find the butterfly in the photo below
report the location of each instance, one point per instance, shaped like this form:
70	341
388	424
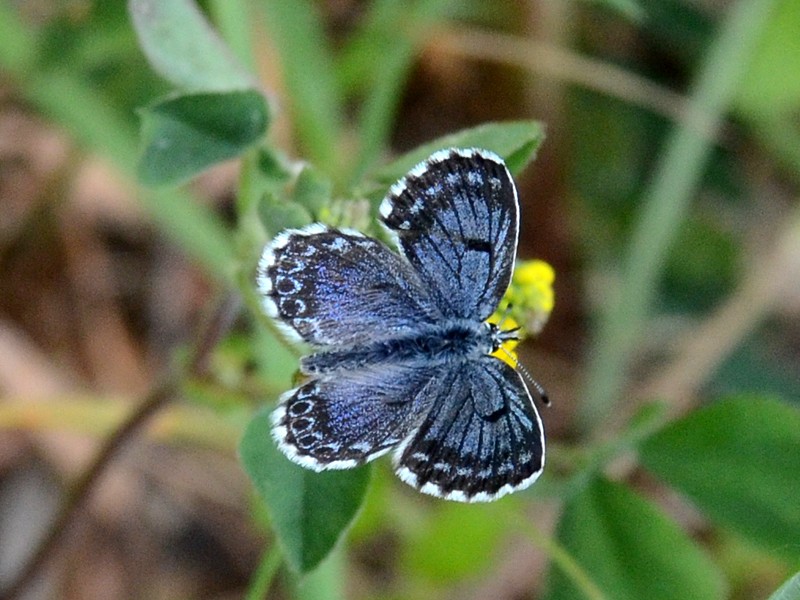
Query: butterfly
402	352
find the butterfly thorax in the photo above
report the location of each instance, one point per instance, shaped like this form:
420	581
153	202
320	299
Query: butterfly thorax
456	341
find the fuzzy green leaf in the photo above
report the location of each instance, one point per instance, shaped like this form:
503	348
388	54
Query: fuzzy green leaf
182	46
738	460
182	135
310	511
789	590
277	214
515	141
312	190
631	549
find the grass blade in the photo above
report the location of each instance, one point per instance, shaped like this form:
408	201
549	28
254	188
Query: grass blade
665	205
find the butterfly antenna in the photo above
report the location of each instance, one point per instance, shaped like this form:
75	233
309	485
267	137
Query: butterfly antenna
506	312
526	375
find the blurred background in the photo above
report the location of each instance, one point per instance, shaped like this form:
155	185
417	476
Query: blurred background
104	284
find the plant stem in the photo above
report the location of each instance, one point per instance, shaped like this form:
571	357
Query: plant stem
559	555
210	334
265	573
665	206
233	19
326	582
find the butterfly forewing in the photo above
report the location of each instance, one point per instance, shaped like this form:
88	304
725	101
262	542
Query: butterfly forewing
333	287
456	218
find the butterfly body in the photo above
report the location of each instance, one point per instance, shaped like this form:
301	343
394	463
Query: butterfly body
401	351
454	342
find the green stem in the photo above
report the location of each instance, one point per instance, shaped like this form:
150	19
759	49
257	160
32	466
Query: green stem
665	206
559	555
410	24
649	420
249	242
298	33
265	573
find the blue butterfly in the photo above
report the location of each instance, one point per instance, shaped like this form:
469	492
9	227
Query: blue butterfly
401	344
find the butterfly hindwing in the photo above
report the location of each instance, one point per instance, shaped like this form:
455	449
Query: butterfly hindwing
481	439
347	418
455	217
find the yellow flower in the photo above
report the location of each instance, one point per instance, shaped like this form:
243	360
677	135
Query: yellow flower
533	281
529	299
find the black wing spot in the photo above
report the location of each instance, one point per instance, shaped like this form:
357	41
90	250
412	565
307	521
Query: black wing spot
496	415
479	245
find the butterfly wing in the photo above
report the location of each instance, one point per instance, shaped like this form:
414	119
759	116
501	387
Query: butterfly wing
463	430
347	418
481	438
456	219
333	287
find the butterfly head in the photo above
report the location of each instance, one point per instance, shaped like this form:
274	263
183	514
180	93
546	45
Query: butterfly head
500	336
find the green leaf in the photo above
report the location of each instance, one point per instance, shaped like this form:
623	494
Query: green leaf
273	167
771	85
181	45
738	460
264	171
631	549
430	552
276	363
182	135
789	590
312	190
309	511
277	215
515	141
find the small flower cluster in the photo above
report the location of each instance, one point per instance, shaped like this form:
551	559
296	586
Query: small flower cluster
527	303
